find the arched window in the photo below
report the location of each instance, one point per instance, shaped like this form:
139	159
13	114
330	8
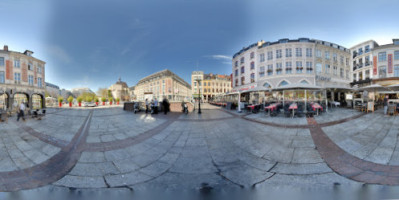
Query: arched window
282	83
267	85
304	82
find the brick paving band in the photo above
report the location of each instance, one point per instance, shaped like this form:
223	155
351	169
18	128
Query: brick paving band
348	165
51	170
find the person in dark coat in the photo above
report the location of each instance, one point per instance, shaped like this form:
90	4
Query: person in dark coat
165	105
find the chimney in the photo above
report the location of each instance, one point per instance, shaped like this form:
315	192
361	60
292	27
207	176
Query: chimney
5	48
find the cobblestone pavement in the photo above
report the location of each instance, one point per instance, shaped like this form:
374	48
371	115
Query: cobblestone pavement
112	148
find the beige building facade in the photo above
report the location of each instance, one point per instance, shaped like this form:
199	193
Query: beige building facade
163	84
209	85
22	79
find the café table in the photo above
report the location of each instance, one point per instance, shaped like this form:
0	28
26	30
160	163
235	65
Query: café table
293	107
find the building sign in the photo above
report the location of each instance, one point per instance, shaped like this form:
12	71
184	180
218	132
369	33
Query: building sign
390	70
323	78
245	88
375	65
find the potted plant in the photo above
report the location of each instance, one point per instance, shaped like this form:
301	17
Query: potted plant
110	100
70	100
80	101
103	99
96	100
117	101
60	99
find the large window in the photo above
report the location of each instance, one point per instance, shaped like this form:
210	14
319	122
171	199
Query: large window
252	65
298	52
341	59
382	71
288	52
360	51
335	70
396	55
318	53
335	58
40	84
341	72
252	77
318	68
367	61
17	77
242	60
242	69
309	52
288	67
299	67
278	53
236	72
270	70
243	80
347	74
252	55
366	48
327	69
269	55
395	72
1	61
309	67
367	74
2	80
382	56
17	64
39	69
327	54
354	77
262	71
30	80
262	57
279	68
236	63
360	76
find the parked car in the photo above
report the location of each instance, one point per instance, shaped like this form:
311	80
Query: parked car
89	104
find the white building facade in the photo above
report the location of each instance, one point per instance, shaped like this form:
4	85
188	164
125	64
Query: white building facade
303	61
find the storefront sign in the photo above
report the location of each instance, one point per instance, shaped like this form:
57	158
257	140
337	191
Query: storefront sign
323	78
375	65
390	70
245	88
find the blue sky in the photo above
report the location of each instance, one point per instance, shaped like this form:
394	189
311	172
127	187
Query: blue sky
92	43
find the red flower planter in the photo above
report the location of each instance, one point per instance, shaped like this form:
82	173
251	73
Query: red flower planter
96	103
70	104
110	103
60	104
117	103
103	103
80	104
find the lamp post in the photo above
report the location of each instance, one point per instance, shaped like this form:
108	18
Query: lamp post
199	100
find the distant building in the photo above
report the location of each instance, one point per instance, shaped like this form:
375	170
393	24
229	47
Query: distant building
210	85
120	90
21	79
78	91
163	84
53	90
66	93
132	94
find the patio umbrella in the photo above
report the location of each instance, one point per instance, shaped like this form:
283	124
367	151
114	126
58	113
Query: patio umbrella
373	87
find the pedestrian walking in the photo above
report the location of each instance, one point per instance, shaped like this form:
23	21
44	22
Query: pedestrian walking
21	111
156	106
386	104
146	105
165	105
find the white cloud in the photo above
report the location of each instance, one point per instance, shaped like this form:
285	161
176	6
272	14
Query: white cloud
221	57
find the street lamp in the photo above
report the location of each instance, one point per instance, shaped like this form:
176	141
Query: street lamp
199	100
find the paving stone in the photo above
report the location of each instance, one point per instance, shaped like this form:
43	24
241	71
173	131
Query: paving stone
301	169
126	165
89	157
306	155
94	169
127	179
81	182
155	169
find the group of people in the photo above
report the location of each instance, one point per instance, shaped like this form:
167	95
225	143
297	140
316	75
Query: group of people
153	105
